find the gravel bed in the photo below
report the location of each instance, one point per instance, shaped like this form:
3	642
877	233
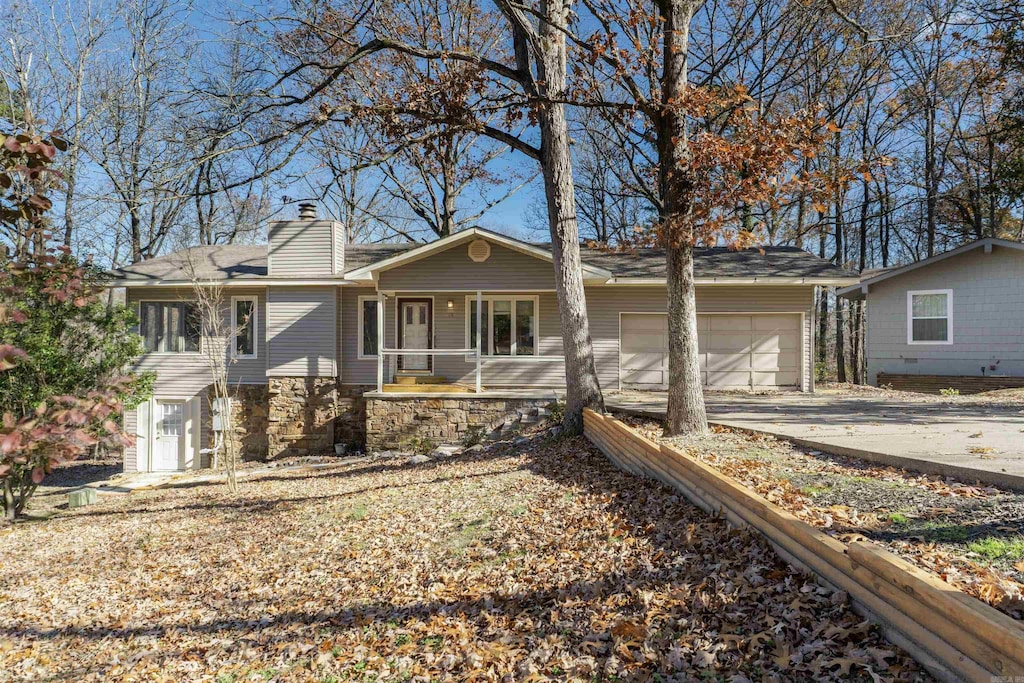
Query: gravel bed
971	535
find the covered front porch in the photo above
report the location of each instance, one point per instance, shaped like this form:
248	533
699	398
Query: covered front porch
430	345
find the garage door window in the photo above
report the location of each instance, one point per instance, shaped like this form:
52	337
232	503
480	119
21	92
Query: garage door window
930	317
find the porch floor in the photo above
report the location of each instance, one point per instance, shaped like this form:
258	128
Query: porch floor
450	391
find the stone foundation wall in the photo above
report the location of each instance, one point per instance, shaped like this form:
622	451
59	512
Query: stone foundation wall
302	416
392	423
350	427
249	412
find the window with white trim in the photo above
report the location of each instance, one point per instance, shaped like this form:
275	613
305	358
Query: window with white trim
169	326
367	327
930	316
509	325
244	324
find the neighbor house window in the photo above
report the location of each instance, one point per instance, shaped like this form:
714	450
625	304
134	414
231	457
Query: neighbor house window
169	326
367	327
509	325
244	323
930	317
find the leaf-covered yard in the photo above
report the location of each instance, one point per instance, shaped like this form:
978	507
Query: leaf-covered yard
529	563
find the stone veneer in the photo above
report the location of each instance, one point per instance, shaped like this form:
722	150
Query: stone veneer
350	427
302	414
250	409
392	422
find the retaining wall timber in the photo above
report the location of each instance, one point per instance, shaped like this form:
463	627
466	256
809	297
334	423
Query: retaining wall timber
955	636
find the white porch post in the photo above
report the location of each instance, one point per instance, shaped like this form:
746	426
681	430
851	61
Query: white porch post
380	341
479	335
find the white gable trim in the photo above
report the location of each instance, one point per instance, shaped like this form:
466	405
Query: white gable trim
988	242
369	273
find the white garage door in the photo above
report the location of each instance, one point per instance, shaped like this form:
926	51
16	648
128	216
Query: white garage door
759	351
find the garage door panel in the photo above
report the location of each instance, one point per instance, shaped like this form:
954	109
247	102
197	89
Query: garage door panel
728	380
645	343
644	361
775	361
774	343
729	341
773	323
649	378
728	362
703	323
787	378
730	323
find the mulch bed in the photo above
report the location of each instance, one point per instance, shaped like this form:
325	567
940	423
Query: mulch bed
970	535
529	561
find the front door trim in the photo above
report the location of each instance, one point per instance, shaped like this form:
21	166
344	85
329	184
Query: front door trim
400	325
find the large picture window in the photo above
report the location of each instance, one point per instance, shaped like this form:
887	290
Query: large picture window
930	317
509	325
169	326
244	322
367	327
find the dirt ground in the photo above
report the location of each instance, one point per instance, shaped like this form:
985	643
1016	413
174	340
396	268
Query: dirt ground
528	561
972	536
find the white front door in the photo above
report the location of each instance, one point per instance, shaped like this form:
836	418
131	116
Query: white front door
415	333
168	435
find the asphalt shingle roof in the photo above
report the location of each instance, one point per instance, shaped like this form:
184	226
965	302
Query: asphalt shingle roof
234	262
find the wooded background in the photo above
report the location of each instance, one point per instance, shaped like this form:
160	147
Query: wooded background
191	124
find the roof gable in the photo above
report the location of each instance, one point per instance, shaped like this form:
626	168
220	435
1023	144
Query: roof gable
372	271
987	243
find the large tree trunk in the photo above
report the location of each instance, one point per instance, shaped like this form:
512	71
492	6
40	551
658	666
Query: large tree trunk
686	409
581	384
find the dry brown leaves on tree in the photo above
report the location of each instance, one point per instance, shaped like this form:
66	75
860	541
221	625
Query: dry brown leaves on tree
542	563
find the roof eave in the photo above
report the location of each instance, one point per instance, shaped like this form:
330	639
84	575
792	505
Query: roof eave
233	282
729	280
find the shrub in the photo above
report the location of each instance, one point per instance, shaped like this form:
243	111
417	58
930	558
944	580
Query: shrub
420	445
949	391
556	411
474	435
64	353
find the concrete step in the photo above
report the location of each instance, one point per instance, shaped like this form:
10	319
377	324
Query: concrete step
420	379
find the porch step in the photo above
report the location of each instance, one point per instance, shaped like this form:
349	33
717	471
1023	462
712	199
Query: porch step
420	379
429	388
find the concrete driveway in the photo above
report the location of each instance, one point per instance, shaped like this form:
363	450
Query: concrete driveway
971	441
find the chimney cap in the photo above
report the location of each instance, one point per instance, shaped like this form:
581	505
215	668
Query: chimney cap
307	211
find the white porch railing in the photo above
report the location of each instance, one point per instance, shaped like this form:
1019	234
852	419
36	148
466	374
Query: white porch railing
382	352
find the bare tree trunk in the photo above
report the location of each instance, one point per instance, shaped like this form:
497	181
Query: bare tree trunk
686	410
581	383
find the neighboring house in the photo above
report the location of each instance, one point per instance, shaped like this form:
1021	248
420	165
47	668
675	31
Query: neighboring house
311	371
952	320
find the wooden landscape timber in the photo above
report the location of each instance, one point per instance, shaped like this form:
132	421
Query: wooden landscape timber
955	636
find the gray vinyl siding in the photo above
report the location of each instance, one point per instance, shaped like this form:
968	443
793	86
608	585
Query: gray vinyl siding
604	304
301	324
988	317
505	269
301	249
187	375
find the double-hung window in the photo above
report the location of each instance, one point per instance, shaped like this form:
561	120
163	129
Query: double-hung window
508	325
367	327
930	316
244	323
169	326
